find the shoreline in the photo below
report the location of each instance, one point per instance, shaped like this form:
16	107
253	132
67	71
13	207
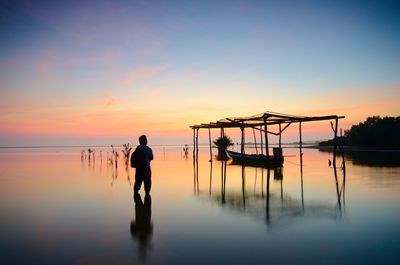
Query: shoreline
355	148
285	146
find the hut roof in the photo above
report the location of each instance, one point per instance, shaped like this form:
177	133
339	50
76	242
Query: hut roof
268	118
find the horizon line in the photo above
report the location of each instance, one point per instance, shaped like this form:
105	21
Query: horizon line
155	145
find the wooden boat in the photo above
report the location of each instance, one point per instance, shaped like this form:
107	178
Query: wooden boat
255	160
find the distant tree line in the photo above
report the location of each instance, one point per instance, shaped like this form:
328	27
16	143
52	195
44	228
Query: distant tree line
373	132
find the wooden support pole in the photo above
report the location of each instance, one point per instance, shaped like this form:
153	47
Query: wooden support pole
282	192
344	187
244	186
280	136
301	145
224	163
266	136
342	150
195	141
255	141
220	148
197	160
194	144
211	166
194	160
261	138
197	174
197	144
209	140
223	181
255	181
267	210
335	142
262	182
337	190
302	187
286	126
301	167
242	141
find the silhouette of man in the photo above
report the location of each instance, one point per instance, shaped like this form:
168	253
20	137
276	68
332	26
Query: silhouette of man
141	227
142	156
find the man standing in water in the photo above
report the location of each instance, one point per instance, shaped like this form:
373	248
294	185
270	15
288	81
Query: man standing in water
140	160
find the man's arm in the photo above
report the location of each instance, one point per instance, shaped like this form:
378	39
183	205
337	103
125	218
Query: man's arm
150	154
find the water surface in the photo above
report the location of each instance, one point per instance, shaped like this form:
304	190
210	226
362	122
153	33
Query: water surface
58	209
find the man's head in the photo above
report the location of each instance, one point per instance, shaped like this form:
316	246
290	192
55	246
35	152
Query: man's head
143	140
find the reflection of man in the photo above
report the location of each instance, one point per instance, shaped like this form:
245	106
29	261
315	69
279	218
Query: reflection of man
140	159
141	227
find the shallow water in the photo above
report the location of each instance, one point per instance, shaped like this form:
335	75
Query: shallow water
58	209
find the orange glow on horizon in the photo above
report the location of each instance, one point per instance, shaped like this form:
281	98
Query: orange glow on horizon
115	116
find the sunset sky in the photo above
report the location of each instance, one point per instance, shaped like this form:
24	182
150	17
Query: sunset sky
101	72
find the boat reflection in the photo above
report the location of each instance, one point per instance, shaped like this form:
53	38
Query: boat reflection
273	205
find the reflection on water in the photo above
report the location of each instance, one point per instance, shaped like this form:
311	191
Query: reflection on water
273	207
373	158
141	226
377	159
57	207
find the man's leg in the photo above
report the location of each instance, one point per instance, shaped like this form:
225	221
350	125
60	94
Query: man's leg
138	180
147	181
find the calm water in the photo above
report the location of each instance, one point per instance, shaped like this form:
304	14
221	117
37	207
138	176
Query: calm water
58	209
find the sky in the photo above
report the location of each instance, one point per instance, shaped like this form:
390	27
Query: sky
102	72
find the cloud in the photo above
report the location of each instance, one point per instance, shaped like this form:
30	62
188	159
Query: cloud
112	24
141	74
109	99
56	60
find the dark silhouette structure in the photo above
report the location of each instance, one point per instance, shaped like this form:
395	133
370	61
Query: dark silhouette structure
222	143
140	159
141	227
374	132
263	122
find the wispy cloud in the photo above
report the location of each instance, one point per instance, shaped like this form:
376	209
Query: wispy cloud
141	74
113	23
57	60
109	99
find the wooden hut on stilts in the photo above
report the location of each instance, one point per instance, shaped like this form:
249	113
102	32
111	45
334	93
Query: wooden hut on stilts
263	122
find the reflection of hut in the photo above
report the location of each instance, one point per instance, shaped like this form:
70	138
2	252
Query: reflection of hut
276	210
262	122
275	207
278	173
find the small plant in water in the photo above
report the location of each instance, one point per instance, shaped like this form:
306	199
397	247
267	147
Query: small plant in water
186	150
114	156
126	151
91	151
223	143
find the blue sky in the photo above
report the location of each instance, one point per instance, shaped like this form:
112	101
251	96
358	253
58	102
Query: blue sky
190	62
